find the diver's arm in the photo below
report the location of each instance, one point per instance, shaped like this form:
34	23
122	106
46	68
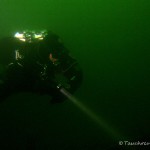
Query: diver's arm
70	78
75	77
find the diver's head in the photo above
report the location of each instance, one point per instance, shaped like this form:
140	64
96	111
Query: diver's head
52	48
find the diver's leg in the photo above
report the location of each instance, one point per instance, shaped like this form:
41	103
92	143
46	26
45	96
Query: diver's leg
5	92
10	82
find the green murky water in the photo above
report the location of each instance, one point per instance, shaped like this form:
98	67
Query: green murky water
110	39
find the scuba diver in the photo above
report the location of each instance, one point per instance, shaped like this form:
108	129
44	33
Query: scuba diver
37	62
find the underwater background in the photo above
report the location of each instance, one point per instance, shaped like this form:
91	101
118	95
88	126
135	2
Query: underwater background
111	41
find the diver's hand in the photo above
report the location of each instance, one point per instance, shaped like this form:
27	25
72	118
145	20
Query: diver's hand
62	80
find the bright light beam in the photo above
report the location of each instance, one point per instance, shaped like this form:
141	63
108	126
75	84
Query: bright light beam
92	115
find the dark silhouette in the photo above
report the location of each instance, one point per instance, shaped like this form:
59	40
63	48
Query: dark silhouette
37	62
